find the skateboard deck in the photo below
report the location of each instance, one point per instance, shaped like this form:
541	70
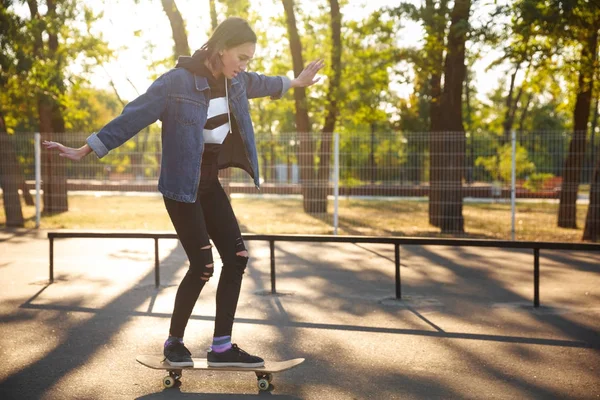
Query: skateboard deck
264	374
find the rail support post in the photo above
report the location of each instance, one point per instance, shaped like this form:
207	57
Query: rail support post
536	277
272	248
156	264
398	277
51	264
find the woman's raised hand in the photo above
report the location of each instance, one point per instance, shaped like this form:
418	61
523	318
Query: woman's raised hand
307	76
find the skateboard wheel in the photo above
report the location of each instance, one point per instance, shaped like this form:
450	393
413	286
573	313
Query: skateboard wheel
263	384
168	382
262	375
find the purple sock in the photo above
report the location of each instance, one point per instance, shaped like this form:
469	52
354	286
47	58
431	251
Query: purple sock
221	344
172	339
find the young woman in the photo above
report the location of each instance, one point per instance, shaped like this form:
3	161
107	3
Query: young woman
206	126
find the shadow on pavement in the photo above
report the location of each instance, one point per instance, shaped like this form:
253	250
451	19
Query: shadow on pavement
175	393
84	339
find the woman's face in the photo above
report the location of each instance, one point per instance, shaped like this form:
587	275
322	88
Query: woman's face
236	59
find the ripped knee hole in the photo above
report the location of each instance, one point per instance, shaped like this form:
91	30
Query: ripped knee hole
207	274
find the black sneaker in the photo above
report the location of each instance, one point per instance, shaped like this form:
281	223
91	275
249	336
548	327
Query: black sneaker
178	355
234	357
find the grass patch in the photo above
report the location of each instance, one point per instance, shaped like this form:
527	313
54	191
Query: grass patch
534	221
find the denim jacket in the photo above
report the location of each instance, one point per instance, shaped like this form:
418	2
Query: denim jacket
180	100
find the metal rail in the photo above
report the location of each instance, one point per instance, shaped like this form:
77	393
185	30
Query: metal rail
396	241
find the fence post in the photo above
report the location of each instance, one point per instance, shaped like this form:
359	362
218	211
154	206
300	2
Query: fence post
38	177
336	182
513	184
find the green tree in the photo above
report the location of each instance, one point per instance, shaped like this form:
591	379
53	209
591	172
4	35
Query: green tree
366	62
422	108
592	221
589	22
500	166
44	46
447	135
305	149
11	177
88	108
236	8
522	50
180	39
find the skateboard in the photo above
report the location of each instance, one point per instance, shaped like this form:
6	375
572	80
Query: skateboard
264	374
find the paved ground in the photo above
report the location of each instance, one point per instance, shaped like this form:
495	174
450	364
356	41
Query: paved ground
465	329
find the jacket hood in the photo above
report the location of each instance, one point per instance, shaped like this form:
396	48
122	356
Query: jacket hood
195	63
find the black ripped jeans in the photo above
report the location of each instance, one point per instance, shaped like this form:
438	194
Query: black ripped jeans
211	216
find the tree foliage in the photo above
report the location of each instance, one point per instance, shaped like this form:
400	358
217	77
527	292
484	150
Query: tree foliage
546	66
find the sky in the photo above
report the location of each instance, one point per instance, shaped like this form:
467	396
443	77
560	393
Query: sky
131	30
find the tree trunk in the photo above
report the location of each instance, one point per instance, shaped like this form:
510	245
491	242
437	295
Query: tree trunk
305	148
213	14
8	157
320	202
10	179
593	133
27	197
592	220
567	212
52	124
436	32
448	158
469	160
524	112
53	166
435	27
594	126
511	102
591	230
182	47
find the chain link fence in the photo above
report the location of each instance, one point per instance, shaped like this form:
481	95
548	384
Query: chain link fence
382	183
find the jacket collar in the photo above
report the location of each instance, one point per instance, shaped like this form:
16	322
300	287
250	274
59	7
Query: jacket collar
202	83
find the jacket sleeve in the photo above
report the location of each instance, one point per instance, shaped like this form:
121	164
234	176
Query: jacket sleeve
137	115
258	85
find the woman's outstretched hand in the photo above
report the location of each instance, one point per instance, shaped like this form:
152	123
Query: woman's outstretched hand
307	76
68	152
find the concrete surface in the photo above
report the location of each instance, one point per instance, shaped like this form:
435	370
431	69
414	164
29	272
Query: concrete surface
465	329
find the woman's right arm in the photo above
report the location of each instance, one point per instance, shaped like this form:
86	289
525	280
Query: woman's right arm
137	115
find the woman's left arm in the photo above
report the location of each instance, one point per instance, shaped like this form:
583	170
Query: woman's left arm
258	85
